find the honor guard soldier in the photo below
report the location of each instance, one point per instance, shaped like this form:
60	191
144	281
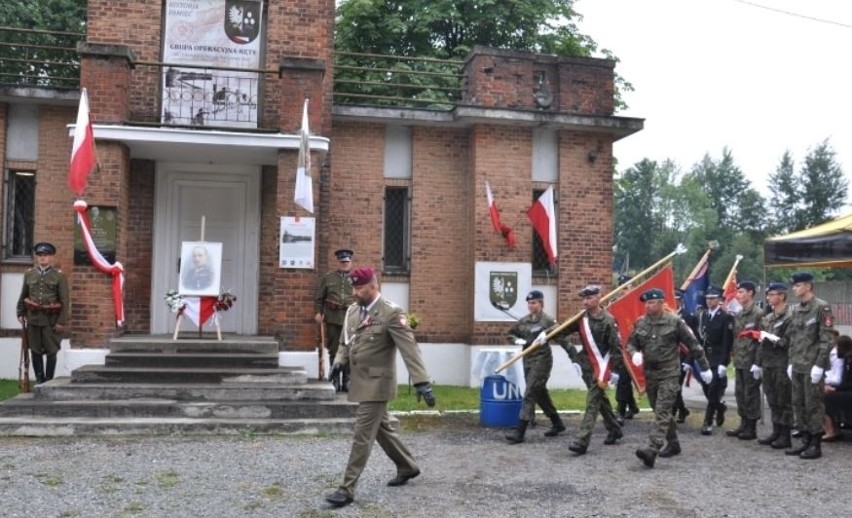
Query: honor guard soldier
774	357
680	409
43	309
809	335
334	295
747	328
716	336
654	343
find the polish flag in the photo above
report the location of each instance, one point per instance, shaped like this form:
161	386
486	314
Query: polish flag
730	295
304	195
83	157
543	217
504	230
199	309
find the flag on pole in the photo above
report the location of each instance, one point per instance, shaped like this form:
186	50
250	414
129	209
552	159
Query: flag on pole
729	293
504	230
304	195
543	217
693	295
100	262
83	157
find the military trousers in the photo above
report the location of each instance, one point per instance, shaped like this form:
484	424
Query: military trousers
747	391
597	402
536	376
779	392
808	403
662	394
373	425
42	340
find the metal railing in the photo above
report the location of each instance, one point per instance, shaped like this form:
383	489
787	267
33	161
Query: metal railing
32	57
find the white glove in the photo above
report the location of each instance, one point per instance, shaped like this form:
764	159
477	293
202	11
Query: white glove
769	336
722	371
613	379
578	370
816	374
756	371
687	368
637	359
790	372
707	376
520	341
541	339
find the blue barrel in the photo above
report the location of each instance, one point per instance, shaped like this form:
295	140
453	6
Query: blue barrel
500	402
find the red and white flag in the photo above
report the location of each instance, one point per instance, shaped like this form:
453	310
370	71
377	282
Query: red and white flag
543	217
504	230
83	157
304	195
729	293
199	309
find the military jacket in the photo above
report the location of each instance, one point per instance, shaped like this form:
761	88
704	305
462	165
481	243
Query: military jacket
528	329
746	352
45	288
604	331
776	354
369	347
333	296
659	339
809	337
716	335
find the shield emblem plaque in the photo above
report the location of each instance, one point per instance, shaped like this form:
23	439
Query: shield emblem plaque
242	20
503	288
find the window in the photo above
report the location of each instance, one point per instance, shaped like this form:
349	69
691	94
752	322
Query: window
396	231
539	256
20	214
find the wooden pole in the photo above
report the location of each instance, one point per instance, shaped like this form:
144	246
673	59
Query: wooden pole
710	246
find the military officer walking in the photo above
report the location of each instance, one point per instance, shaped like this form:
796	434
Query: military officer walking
537	366
747	327
374	330
43	308
774	358
716	336
654	343
809	335
334	294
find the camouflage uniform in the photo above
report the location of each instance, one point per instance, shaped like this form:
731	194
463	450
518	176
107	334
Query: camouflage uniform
774	358
658	340
745	353
334	295
537	365
809	342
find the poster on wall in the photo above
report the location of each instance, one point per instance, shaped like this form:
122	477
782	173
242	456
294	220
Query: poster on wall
103	229
504	286
296	248
200	268
207	34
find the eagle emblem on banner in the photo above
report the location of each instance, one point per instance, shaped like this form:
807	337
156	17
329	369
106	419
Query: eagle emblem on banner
503	289
242	20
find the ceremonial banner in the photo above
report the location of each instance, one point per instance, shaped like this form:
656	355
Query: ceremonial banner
304	195
83	156
543	217
504	230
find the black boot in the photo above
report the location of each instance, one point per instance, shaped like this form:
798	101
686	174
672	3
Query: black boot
738	430
814	450
557	426
51	367
806	440
707	429
619	415
720	414
671	449
749	432
38	367
683	413
517	435
783	440
769	439
648	456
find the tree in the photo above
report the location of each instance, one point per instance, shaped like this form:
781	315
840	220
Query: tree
786	200
823	187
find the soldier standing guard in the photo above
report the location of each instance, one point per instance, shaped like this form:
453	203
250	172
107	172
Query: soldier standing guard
655	343
43	308
333	296
774	358
537	366
809	334
747	327
716	336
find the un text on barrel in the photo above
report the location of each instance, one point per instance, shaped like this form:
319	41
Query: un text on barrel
500	402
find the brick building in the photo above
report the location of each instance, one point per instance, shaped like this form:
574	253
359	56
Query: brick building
403	187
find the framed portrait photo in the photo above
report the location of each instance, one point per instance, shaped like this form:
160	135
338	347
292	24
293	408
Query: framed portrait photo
200	268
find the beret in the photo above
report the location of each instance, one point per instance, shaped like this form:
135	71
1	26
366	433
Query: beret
678	294
747	285
801	277
361	276
652	294
776	286
535	295
591	289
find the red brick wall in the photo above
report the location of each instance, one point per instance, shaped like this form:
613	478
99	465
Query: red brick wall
138	261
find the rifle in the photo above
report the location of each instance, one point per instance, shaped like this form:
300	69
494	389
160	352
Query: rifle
321	352
24	365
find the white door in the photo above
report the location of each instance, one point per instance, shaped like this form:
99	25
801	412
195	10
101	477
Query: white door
227	199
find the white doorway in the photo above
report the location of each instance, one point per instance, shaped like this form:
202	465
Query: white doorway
228	198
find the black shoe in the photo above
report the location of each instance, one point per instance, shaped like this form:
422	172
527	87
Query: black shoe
796	434
338	499
401	480
720	414
517	435
557	426
814	450
806	441
631	412
612	437
648	456
707	429
577	448
619	418
736	431
671	449
682	415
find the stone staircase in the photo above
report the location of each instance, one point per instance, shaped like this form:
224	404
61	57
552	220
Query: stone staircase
154	385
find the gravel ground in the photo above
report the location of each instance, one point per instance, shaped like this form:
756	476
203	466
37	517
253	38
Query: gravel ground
467	471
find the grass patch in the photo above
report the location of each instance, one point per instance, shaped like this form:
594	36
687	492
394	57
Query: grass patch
9	389
167	479
49	480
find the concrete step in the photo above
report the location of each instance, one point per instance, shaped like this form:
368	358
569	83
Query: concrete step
50	426
63	389
26	405
192	360
105	374
165	344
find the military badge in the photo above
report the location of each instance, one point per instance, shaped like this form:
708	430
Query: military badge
503	289
242	20
827	319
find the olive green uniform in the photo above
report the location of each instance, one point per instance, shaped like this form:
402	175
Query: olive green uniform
658	339
745	353
773	357
537	365
334	294
42	291
810	343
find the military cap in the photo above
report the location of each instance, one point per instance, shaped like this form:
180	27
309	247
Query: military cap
535	295
713	291
44	249
622	279
591	289
776	286
678	294
361	276
801	277
652	294
344	254
747	285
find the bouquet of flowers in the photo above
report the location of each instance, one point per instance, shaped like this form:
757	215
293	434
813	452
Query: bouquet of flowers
225	300
174	301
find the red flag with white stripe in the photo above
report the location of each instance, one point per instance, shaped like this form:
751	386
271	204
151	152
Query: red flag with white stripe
304	195
83	157
199	309
504	230
543	217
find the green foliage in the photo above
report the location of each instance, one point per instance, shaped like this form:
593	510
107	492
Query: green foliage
450	398
9	389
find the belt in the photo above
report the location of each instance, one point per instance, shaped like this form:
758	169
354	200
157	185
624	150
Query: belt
53	307
333	305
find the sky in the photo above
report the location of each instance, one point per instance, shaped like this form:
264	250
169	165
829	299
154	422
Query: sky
710	74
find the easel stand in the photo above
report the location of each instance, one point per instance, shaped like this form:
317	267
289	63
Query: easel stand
200	321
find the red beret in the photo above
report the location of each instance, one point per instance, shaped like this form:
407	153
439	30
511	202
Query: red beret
361	276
